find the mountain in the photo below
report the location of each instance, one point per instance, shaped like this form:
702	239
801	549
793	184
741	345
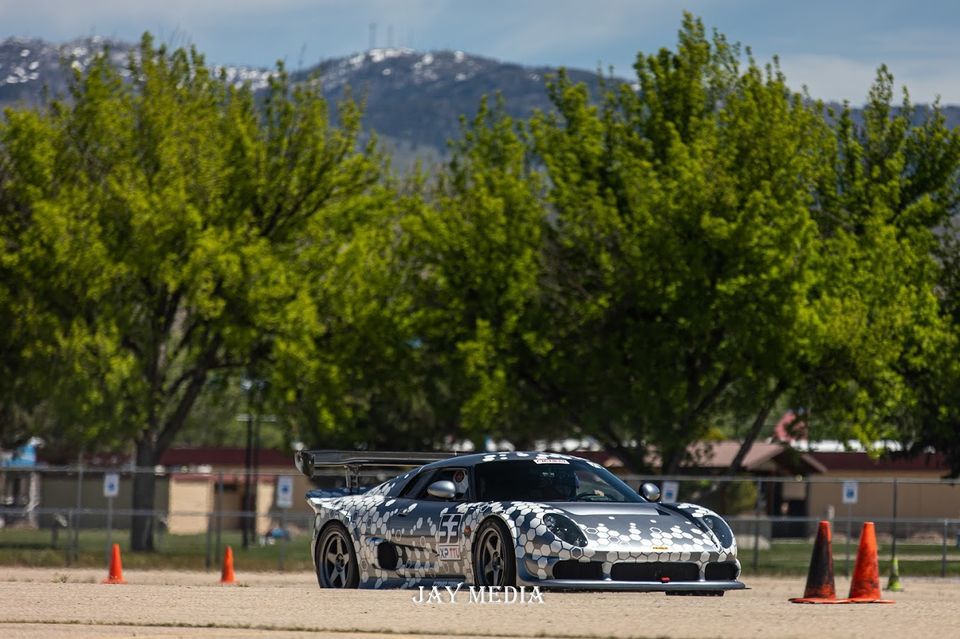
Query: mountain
413	99
418	97
28	66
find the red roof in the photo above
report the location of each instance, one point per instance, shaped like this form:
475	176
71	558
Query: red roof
790	429
177	457
860	461
61	457
762	457
225	457
602	457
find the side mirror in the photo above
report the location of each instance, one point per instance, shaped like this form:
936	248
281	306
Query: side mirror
443	489
650	492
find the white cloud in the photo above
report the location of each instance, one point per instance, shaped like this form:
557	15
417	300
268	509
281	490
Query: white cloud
838	78
609	32
79	14
230	31
578	25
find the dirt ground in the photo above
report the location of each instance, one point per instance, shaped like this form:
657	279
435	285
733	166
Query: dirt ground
72	604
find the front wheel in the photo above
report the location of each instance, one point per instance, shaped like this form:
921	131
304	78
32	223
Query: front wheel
336	559
494	559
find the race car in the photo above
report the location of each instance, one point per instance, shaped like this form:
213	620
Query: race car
512	519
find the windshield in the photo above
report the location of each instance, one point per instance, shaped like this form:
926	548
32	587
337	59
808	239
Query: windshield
553	480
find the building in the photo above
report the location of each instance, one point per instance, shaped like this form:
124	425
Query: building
207	480
189	485
916	483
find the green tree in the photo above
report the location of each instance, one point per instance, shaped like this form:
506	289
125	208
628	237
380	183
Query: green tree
930	415
170	233
683	241
888	187
718	246
357	382
934	382
474	252
24	149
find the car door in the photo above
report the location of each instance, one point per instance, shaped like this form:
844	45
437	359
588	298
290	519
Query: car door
427	531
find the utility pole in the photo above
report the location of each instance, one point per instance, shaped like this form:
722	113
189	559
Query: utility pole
255	389
247	468
250	458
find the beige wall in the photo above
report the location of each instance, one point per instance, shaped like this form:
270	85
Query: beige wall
175	494
265	501
232	503
59	491
300	487
189	495
914	501
199	494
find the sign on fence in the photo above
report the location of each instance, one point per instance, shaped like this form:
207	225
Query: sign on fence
284	491
670	492
850	492
111	485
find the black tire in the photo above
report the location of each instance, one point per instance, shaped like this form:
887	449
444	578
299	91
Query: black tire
336	558
494	557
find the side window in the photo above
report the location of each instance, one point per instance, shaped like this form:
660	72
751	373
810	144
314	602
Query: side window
416	485
459	477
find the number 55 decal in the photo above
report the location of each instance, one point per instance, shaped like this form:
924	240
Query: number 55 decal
448	537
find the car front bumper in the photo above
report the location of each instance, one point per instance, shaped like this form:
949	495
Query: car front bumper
637	586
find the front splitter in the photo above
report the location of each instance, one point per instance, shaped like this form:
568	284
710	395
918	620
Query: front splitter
637	586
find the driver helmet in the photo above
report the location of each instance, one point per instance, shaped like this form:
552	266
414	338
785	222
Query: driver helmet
460	482
566	482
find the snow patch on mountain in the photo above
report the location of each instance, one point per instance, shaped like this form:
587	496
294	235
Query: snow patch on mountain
24	60
412	98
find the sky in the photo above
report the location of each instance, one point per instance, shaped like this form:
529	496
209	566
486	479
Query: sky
833	48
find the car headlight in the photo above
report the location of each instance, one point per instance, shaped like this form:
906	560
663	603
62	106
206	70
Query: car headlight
719	528
565	529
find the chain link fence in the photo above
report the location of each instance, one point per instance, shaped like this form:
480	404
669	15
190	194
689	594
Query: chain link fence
71	515
917	519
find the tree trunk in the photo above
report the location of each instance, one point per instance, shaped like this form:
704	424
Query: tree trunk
144	484
757	426
633	459
152	443
670	461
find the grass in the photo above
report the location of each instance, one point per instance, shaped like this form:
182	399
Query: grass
23	547
793	558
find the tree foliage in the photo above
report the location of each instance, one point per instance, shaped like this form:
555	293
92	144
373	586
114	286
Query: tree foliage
169	226
888	189
476	259
707	243
684	241
703	245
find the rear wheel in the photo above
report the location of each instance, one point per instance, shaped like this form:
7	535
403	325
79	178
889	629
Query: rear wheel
336	559
494	558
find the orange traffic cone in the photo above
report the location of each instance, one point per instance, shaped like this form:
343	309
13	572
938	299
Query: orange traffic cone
820	588
116	568
865	587
226	575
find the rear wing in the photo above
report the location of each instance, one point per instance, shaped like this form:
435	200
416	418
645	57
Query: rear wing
310	461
